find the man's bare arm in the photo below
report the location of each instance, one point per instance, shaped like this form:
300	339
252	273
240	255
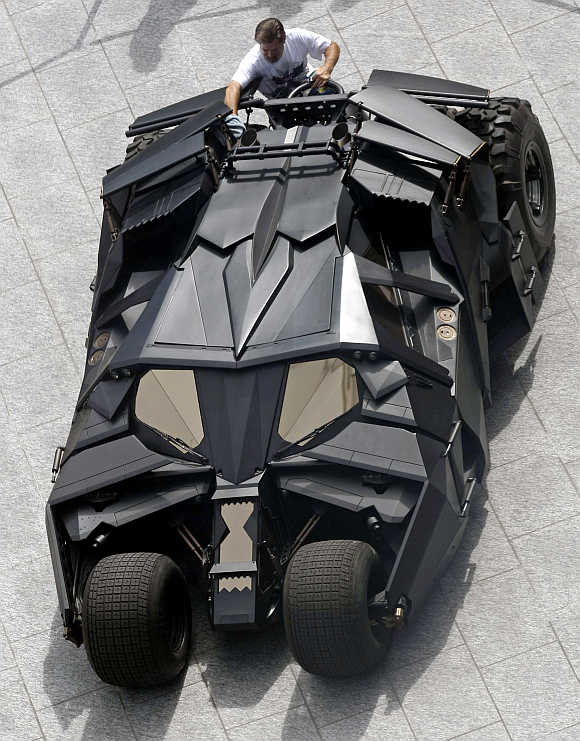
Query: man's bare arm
324	72
232	97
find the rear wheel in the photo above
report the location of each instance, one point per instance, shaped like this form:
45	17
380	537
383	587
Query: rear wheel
141	142
520	159
326	593
137	619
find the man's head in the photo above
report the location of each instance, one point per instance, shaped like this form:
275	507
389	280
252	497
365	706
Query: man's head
271	36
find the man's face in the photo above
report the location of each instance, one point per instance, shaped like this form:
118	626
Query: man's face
272	50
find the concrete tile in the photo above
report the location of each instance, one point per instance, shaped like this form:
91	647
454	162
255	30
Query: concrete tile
403	47
152	50
565	734
38	444
513	427
7	660
22	526
547	363
531	493
565	106
444	697
499	617
345	13
5	212
172	717
16	6
53	669
82	90
136	700
494	732
28	598
551	560
567	172
441	20
431	631
519	14
17	719
248	676
566	267
528	90
484	550
99	716
17	267
162	91
12	50
333	700
111	16
384	722
295	724
482	56
98	145
535	693
56	219
66	277
326	26
30	170
573	468
562	37
21	99
566	625
69	32
353	81
39	388
572	294
28	323
75	333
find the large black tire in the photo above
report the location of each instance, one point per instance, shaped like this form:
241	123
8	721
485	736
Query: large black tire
520	158
326	592
137	619
141	142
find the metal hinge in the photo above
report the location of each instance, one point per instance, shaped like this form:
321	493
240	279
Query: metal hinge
56	463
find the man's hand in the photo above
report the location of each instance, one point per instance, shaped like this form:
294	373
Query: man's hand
235	125
320	76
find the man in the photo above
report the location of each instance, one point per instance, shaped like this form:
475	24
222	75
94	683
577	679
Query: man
280	60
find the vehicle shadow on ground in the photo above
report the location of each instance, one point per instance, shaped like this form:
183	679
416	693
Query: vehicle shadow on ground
77	696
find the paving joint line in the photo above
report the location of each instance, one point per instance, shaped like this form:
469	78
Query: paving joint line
481	728
478	670
521	653
545	527
367	18
306	705
425	37
540	23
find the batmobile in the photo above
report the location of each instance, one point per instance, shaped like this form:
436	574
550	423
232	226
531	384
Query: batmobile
288	365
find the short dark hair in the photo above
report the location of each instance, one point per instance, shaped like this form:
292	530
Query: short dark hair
268	30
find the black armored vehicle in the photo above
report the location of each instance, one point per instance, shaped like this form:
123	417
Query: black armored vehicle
288	365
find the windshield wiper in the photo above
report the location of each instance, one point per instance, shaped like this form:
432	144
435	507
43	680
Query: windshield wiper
303	439
182	445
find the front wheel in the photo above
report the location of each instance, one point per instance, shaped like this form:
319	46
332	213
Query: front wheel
326	594
137	619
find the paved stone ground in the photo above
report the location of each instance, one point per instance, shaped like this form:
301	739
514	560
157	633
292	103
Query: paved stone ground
496	652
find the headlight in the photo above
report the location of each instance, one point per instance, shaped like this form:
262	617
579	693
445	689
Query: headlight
317	392
167	401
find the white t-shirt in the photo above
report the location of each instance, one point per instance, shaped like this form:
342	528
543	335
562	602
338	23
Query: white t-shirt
280	77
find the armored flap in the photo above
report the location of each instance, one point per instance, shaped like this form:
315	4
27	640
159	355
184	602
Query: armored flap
392	176
175	111
384	135
424	85
104	465
183	142
407	112
163	200
376	448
